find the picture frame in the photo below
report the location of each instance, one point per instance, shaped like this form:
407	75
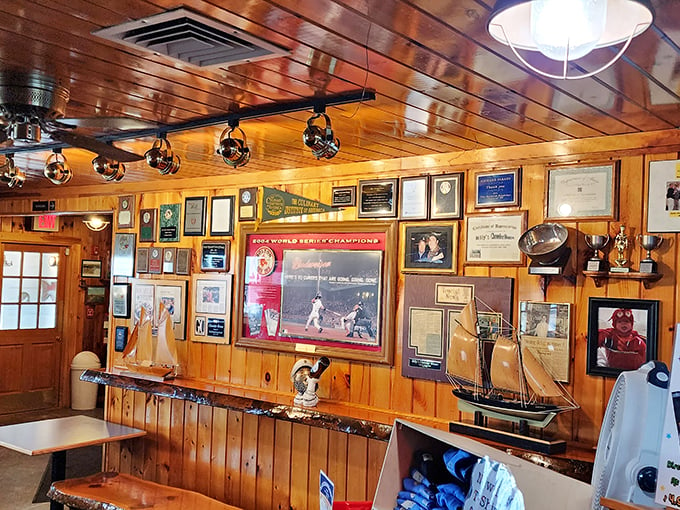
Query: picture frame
608	333
149	293
492	238
148	219
121	299
123	263
183	261
500	188
194	216
121	338
545	330
661	179
126	211
142	260
344	196
414	197
212	308
169	219
378	198
582	192
95	295
247	204
430	247
278	270
90	268
215	255
222	215
446	196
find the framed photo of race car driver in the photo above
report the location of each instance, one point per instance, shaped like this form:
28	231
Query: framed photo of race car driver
622	334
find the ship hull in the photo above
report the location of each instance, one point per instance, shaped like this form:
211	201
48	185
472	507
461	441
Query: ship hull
515	408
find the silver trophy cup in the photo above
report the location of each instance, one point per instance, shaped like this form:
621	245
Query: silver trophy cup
649	242
596	243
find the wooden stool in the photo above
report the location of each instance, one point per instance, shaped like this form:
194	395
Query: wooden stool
110	491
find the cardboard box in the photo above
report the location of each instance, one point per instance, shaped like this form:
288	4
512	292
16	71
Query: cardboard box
540	487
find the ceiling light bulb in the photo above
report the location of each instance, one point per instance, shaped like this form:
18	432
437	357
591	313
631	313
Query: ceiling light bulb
567	30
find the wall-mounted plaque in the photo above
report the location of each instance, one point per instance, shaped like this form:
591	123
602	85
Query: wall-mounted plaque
124	255
142	260
169	257
378	198
247	204
155	260
183	261
344	196
169	223
215	255
147	225
126	211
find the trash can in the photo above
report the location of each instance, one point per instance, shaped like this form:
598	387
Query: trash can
83	394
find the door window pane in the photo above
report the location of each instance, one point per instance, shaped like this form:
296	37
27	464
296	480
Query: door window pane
29	290
48	291
29	317
48	316
31	264
9	316
10	290
12	265
50	265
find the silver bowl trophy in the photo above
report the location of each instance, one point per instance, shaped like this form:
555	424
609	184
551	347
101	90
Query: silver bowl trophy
596	243
621	244
546	245
649	242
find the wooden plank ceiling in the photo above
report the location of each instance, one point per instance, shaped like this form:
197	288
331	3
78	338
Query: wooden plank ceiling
441	83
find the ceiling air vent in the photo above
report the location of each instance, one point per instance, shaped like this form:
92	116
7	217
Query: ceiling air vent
192	38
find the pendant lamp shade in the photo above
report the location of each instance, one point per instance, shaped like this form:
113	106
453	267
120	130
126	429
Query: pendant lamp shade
568	30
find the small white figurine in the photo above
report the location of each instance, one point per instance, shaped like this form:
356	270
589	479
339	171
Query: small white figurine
305	378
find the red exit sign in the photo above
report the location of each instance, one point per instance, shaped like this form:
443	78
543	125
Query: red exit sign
45	223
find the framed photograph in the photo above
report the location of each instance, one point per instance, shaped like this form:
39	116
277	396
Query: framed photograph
545	331
172	293
148	219
95	295
663	196
194	216
90	268
247	204
169	258
498	189
121	299
344	196
212	307
414	197
183	261
325	288
142	260
126	211
579	192
215	255
622	334
430	247
492	238
378	198
222	216
143	292
123	255
446	200
169	223
121	338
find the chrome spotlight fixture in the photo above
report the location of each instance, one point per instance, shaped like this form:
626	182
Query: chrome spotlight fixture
110	170
320	139
10	174
234	151
161	157
57	169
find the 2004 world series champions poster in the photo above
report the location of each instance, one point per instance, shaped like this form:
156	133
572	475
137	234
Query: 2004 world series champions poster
315	291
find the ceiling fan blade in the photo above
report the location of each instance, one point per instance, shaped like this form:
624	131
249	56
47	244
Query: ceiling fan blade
106	123
96	146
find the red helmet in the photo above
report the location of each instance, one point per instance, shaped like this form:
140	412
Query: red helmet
622	314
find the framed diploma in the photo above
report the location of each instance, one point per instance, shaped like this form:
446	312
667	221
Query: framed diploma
413	197
344	196
126	211
194	216
378	198
147	225
169	223
222	216
247	204
582	192
498	189
446	200
492	238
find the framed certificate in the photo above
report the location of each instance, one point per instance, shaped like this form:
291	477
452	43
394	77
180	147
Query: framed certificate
222	216
446	200
492	238
413	197
147	225
194	216
378	198
126	211
582	192
498	189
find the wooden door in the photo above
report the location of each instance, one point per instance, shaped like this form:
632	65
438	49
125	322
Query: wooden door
31	308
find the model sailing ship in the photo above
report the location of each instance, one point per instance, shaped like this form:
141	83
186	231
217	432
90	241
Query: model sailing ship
149	357
515	386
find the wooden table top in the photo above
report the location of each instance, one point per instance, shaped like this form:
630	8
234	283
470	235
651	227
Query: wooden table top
58	434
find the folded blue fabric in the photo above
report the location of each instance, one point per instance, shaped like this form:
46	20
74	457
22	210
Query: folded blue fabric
411	485
452	489
459	463
449	501
407	504
420	478
412	496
